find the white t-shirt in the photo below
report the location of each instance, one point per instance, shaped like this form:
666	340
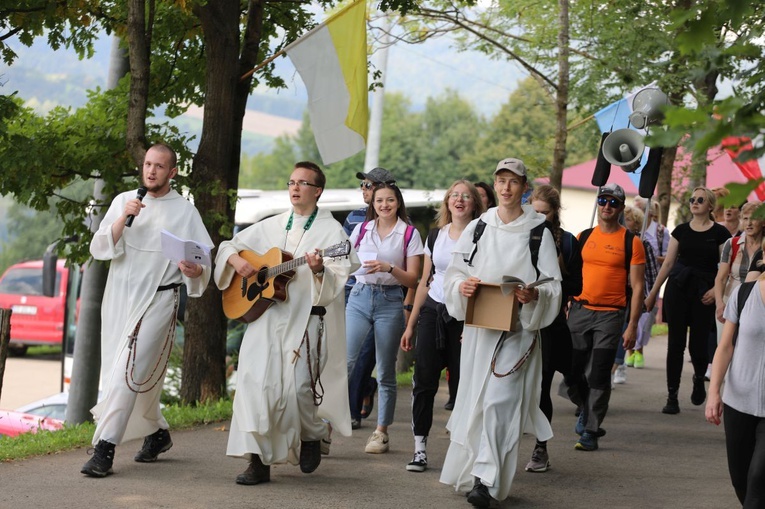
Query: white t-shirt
443	247
745	383
390	250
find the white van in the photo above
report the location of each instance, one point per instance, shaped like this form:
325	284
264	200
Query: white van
254	205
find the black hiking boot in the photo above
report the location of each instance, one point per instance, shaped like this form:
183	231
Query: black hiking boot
479	495
154	445
256	473
699	393
310	455
672	406
100	464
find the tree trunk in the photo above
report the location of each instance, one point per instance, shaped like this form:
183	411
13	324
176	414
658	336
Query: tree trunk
664	185
216	171
139	42
86	364
561	98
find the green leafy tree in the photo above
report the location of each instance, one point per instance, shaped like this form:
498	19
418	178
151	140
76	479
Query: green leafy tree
181	52
720	39
524	127
21	220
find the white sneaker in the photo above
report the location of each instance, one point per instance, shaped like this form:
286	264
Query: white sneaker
620	376
377	443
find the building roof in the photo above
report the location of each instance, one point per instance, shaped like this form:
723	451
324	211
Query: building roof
721	170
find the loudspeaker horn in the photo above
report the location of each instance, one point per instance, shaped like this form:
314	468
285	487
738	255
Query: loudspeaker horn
624	148
646	107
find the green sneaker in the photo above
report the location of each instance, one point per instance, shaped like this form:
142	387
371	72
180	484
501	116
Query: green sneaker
630	360
639	360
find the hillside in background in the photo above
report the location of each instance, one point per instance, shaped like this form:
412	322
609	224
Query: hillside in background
44	79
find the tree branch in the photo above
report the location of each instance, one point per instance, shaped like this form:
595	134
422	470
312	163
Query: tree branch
482	31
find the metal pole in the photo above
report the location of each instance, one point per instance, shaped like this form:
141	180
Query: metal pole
372	157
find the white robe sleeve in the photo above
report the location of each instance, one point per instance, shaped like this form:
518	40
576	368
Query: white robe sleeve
102	246
541	313
457	272
243	240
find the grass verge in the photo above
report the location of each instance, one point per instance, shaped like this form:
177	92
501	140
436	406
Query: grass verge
73	437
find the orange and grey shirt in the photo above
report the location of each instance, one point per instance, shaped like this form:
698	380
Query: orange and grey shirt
604	274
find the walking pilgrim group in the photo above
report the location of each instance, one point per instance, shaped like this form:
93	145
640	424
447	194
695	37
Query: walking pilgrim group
296	358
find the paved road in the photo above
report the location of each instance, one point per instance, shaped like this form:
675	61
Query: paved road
647	460
28	379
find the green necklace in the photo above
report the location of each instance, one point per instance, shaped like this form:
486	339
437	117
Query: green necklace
307	224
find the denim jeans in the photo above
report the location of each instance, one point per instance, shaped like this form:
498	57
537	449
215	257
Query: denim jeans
381	308
361	383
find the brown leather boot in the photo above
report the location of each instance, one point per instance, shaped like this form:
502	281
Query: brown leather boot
256	473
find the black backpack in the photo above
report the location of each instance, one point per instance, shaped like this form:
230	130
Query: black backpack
535	241
743	293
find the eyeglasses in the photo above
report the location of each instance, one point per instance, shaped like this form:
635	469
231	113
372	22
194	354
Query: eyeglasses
698	200
464	196
615	203
366	185
301	183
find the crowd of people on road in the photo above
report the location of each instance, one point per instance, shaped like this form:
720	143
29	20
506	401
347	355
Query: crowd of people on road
581	305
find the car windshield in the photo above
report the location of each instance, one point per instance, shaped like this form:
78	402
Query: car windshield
24	282
55	411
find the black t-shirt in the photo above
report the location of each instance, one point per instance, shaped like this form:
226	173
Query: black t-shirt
700	250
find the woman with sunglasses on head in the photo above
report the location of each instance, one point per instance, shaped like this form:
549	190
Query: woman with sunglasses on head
690	269
438	334
390	250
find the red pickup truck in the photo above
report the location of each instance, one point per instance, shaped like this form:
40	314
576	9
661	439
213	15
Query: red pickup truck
36	319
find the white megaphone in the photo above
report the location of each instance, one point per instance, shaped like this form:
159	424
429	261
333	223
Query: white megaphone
646	107
624	148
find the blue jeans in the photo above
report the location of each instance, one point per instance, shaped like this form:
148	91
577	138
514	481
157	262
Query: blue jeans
379	308
361	383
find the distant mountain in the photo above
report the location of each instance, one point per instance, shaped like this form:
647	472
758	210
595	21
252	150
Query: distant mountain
45	78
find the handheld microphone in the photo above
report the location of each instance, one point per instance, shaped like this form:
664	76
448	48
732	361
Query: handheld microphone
140	194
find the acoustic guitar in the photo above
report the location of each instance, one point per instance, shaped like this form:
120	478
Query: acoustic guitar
251	298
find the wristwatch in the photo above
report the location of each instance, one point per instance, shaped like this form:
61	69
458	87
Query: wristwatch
391	268
319	274
407	307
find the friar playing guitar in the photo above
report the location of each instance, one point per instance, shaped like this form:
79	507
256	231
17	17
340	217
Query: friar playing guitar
251	298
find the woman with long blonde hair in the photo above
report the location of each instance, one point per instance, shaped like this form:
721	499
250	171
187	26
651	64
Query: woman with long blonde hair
690	269
438	334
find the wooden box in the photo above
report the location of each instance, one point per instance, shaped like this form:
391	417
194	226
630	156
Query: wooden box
489	309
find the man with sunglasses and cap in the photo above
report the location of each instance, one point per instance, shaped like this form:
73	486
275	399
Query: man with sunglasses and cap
597	316
361	385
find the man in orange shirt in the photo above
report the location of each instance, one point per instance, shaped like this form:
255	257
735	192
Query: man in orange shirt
597	316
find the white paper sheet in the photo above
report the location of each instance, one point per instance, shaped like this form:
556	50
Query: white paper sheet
177	249
364	256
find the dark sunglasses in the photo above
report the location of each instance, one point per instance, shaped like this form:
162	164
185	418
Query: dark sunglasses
614	202
366	185
698	200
